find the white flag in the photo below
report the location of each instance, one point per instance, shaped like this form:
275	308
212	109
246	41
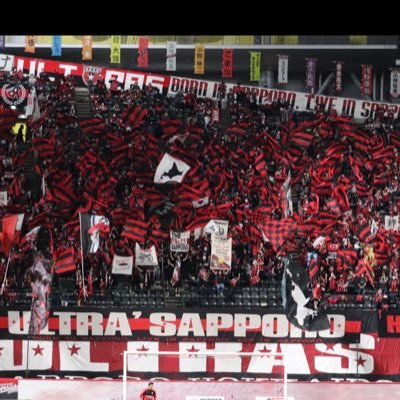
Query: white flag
392	222
170	169
145	257
32	107
283	64
3	198
122	265
217	228
171	56
200	202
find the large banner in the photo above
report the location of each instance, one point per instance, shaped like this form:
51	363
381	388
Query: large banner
89	342
170	85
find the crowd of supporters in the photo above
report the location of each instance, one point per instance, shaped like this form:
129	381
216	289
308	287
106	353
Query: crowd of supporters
341	220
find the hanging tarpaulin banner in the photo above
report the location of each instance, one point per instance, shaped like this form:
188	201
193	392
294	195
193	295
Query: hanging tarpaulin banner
338	76
283	65
56	46
366	80
395	83
30	44
143	50
199	59
87	45
221	254
171	56
2	41
311	69
227	61
255	65
115	49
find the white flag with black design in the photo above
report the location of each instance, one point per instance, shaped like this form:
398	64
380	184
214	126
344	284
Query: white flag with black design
170	169
145	257
122	265
91	225
200	202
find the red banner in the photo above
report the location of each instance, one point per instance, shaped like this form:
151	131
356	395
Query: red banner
366	80
143	59
227	63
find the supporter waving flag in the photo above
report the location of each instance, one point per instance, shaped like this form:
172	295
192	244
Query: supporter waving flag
91	226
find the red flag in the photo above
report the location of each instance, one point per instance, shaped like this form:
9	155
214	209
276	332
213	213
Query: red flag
9	224
143	59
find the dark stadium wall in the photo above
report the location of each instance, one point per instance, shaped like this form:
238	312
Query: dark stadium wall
382	61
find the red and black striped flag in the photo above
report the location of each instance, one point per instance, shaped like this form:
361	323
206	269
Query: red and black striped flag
135	230
64	260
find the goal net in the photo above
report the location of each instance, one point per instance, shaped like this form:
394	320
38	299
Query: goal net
205	375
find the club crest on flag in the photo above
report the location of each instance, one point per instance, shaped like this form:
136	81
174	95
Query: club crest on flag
91	73
13	93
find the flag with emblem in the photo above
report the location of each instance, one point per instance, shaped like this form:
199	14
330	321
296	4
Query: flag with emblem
170	169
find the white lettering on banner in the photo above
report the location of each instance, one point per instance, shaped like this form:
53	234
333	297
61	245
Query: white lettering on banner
117	322
68	68
217	321
92	320
131	78
357	361
302	101
166	324
162	324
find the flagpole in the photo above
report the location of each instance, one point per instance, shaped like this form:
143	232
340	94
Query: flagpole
83	268
162	270
5	274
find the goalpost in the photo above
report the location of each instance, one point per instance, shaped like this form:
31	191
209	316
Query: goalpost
205	375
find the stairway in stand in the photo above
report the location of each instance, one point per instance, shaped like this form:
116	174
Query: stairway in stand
83	105
225	119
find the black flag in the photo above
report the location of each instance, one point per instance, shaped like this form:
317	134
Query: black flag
297	299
